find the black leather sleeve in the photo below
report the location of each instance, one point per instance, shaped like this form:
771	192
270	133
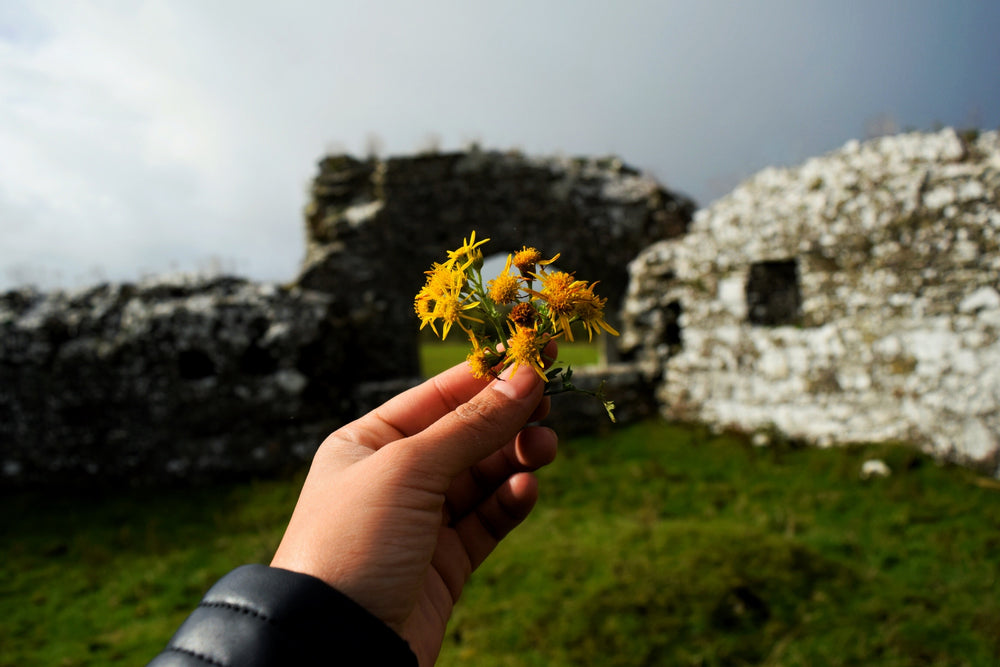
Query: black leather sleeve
258	615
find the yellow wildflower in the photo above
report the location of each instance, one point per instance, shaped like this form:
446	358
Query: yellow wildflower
482	361
590	311
526	258
523	314
524	347
505	287
424	305
451	309
517	321
442	278
441	298
468	254
560	292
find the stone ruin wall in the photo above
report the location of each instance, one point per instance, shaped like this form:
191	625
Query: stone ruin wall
374	227
172	378
853	298
194	378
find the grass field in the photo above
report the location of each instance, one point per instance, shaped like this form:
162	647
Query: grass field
658	544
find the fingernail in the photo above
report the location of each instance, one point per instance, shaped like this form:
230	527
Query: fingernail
517	385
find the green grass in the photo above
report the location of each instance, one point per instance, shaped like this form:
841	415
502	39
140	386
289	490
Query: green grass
107	580
436	356
655	545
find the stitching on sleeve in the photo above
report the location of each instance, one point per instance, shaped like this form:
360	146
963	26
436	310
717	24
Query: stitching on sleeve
197	656
242	610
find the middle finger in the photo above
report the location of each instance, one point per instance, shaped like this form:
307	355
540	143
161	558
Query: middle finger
534	447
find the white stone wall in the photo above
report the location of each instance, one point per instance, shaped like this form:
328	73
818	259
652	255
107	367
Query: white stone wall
898	334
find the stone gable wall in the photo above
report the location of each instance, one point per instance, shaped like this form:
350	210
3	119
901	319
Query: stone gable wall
373	227
853	298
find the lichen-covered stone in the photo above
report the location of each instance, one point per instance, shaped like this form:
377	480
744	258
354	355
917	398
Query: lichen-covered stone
852	298
173	377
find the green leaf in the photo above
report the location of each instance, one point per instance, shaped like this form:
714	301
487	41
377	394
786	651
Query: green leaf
609	407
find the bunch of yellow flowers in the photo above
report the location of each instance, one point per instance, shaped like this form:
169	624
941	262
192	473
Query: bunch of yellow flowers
510	319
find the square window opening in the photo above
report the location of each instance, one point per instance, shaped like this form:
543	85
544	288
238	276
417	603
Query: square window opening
773	297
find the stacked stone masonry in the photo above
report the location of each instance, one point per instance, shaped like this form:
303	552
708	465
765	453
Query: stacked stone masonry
184	378
852	298
175	378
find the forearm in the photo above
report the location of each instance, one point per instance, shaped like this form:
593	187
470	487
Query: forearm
257	616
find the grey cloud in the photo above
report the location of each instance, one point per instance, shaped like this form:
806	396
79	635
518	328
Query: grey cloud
700	94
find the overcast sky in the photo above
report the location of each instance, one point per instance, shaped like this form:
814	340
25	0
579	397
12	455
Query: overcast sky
138	137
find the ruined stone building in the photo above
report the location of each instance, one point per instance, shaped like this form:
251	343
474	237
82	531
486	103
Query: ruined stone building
181	377
852	298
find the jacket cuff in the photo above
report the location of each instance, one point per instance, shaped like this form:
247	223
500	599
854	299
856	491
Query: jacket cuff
258	615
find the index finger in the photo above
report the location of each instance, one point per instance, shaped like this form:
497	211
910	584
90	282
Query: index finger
415	409
475	429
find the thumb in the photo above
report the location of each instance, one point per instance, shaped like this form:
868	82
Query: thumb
477	428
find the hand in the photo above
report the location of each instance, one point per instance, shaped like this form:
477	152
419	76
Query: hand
402	505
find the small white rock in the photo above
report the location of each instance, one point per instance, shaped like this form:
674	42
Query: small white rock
874	468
